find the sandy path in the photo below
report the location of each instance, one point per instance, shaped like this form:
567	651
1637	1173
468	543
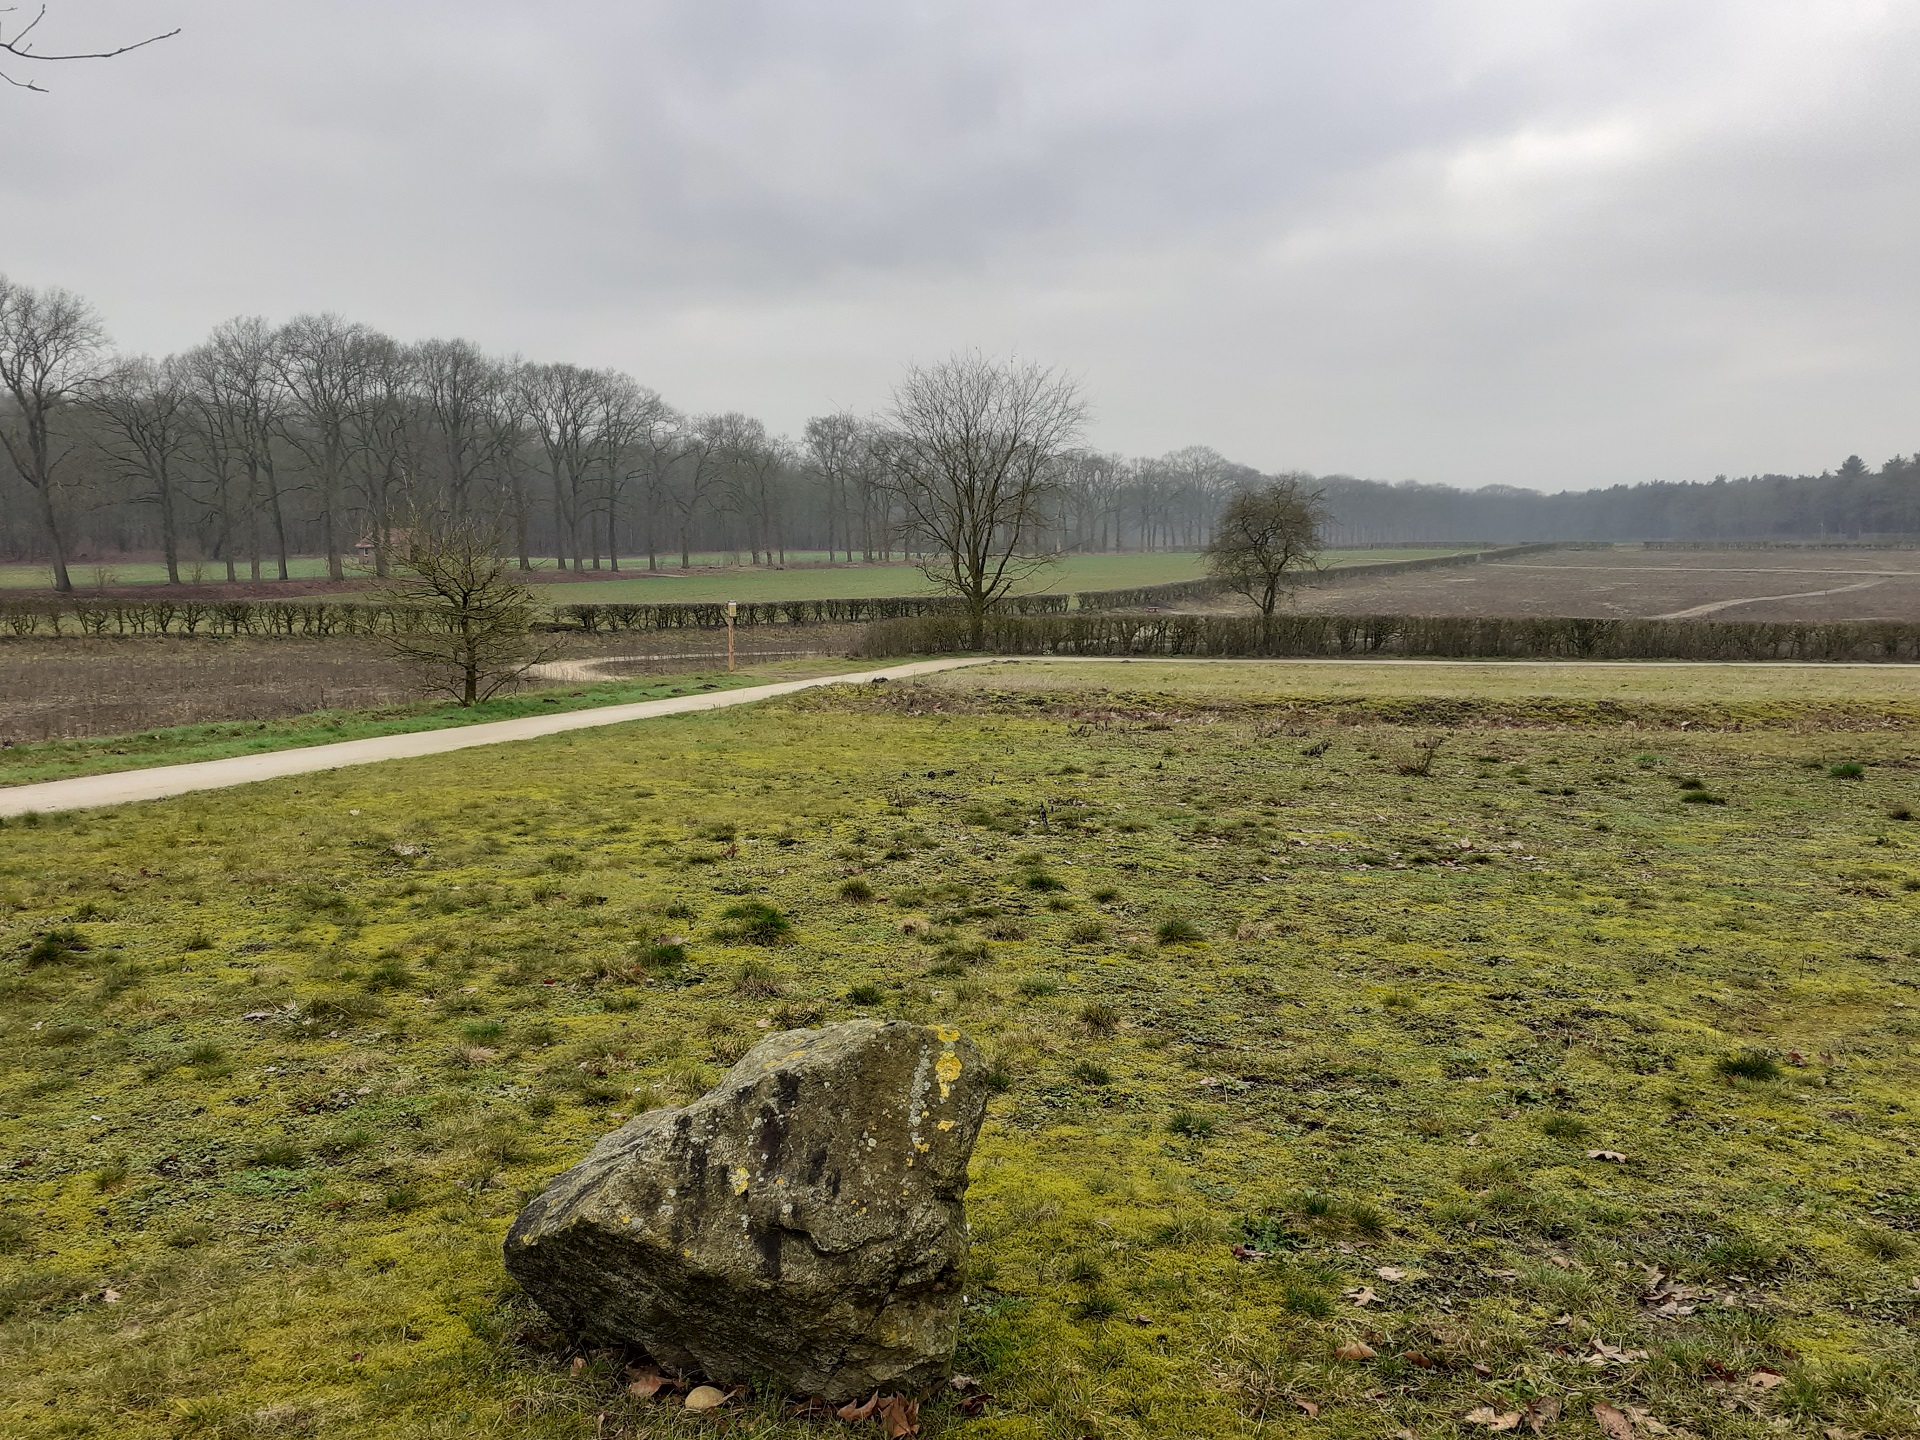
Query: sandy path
569	672
84	792
1713	606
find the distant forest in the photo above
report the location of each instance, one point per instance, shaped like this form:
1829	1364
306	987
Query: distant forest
1854	502
322	435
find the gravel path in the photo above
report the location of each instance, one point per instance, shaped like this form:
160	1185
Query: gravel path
85	792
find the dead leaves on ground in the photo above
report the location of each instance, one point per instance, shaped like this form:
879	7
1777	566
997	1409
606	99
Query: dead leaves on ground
1536	1417
898	1414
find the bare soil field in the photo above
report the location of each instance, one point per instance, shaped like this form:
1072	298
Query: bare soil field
68	688
1631	582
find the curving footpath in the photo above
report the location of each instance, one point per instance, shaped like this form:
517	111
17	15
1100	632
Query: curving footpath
86	792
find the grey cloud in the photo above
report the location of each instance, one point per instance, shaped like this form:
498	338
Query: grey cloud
1559	243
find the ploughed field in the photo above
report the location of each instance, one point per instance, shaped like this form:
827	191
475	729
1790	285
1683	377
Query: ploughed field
1632	582
1569	1063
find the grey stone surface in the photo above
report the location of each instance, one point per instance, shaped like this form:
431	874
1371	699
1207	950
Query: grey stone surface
803	1222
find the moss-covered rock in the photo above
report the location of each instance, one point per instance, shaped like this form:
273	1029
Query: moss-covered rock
803	1222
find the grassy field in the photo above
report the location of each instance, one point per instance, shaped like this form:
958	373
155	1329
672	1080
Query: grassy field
216	740
1576	1070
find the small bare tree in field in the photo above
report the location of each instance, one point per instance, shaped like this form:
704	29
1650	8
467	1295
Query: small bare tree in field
1266	540
973	451
467	625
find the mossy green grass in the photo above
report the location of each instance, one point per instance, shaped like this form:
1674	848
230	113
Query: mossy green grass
1524	1077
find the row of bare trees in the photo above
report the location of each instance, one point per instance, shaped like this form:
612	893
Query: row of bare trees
321	436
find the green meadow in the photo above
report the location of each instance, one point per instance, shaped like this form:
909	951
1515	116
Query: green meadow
1377	1050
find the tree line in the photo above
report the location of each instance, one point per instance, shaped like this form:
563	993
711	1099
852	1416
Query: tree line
322	436
1851	502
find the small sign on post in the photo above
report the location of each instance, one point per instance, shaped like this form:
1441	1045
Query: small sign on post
732	610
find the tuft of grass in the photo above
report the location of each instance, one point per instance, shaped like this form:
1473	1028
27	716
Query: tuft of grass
1564	1127
54	947
1090	1072
866	993
1038	987
755	922
856	890
1177	931
1754	1065
1847	770
1192	1124
276	1155
1099	1017
756	978
1086	932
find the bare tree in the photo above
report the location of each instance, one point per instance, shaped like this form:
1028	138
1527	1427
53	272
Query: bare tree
321	360
244	400
21	47
468	625
52	349
973	448
461	388
148	416
558	401
1266	539
835	447
627	434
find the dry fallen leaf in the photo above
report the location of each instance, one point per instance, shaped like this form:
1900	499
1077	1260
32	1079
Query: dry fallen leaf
900	1415
1414	1357
1643	1422
1313	1410
1486	1415
1541	1413
853	1412
111	1297
1355	1350
1764	1379
645	1384
965	1384
1391	1272
1614	1156
579	1364
1615	1425
703	1398
1604	1354
1363	1296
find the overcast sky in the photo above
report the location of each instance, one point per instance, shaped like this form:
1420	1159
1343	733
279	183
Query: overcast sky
1472	241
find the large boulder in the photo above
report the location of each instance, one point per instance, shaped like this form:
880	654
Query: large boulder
803	1222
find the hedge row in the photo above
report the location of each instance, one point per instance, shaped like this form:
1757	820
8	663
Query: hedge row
1434	636
713	615
198	617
